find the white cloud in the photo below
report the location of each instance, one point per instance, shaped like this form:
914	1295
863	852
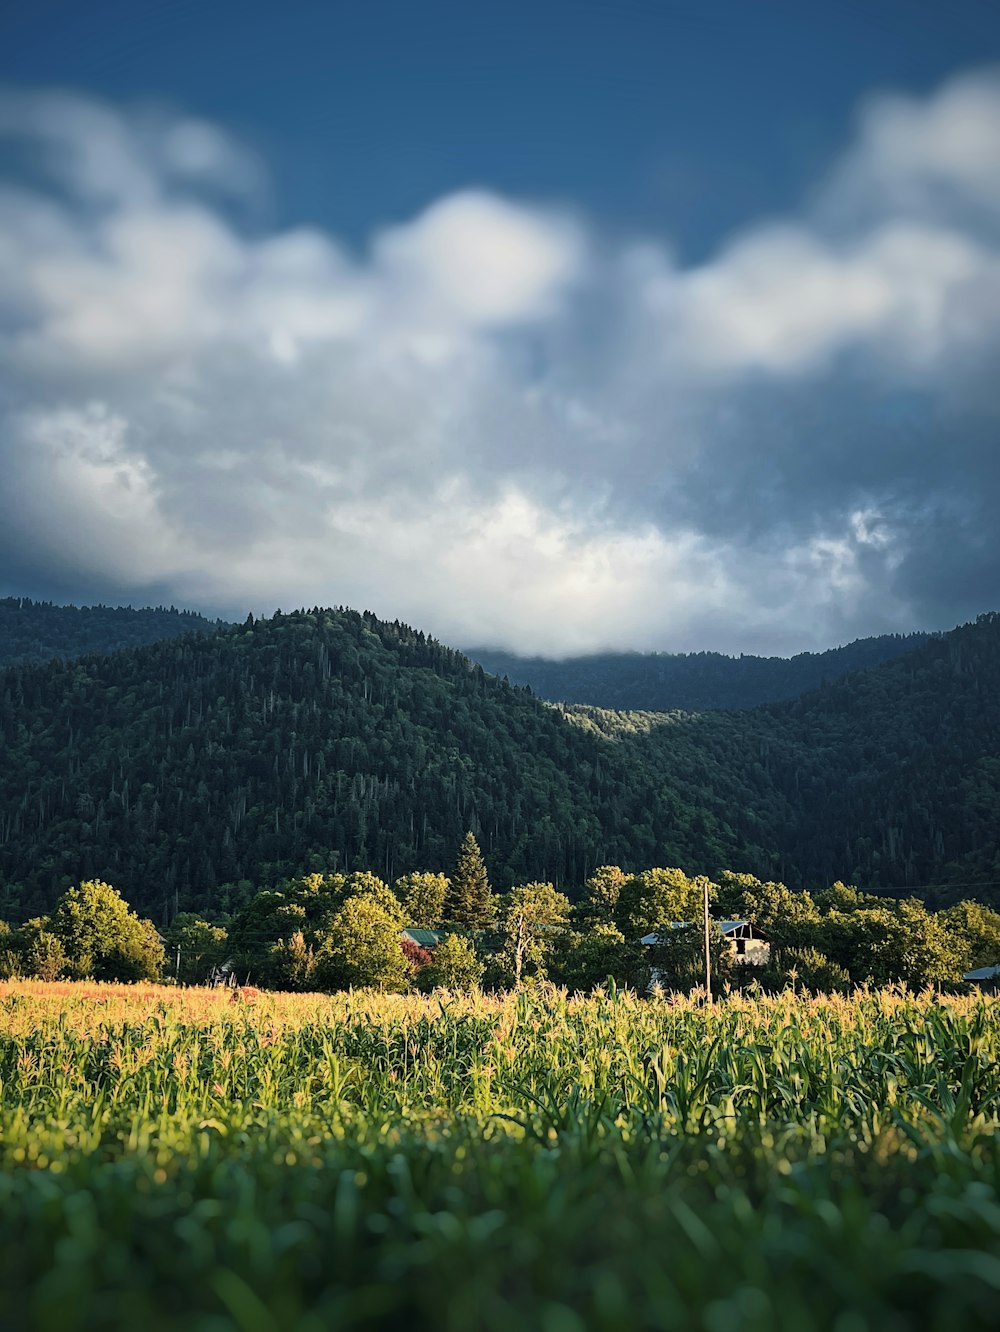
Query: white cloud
476	260
932	156
96	491
495	423
786	301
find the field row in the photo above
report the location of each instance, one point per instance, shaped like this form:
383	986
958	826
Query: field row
172	1158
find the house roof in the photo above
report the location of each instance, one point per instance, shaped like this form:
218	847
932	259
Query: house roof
425	938
983	973
726	926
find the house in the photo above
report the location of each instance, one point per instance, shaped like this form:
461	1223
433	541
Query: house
747	944
423	938
987	978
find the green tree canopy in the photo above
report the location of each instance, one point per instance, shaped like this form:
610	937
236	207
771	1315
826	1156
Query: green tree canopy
41	953
103	938
530	914
362	883
291	963
976	931
904	942
806	968
784	916
361	948
677	961
423	898
600	895
583	960
453	966
651	900
845	897
201	946
11	959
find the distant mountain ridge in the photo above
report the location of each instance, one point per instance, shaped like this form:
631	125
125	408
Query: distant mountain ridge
37	631
690	681
34	631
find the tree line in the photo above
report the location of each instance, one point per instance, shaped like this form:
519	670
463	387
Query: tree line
339	931
34	631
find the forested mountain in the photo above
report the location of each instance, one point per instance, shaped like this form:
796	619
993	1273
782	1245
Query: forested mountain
889	778
310	741
37	631
691	681
328	739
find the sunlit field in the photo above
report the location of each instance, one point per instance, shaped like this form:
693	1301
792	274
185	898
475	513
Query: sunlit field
181	1159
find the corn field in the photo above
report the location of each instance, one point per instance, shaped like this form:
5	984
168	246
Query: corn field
178	1159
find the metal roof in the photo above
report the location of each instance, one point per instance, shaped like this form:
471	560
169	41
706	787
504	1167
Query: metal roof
726	926
983	973
425	938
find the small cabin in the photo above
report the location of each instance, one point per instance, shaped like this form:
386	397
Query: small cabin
423	938
749	947
987	978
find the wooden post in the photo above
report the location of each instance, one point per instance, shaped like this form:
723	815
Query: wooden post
708	957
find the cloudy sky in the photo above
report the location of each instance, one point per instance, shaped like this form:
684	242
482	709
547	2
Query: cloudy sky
555	327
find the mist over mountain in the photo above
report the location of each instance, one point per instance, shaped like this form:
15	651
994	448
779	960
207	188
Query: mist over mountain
36	631
693	681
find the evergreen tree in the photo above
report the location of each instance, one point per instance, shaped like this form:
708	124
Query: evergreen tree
470	898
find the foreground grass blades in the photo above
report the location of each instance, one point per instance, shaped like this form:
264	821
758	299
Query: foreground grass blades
171	1159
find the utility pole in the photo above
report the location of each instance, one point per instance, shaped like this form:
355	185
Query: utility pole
177	965
708	957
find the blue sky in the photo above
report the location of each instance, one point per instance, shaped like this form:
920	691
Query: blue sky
558	327
691	118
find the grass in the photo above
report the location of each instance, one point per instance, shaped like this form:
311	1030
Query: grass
172	1160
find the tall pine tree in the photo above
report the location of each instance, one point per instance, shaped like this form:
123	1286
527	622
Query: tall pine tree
470	898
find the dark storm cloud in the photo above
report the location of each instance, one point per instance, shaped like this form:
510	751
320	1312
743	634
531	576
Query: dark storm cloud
497	423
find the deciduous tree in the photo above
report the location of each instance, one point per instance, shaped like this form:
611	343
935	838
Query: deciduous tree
453	966
529	911
362	949
423	898
103	938
651	900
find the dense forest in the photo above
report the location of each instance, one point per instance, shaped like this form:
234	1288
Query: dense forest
191	772
888	778
321	740
689	681
37	631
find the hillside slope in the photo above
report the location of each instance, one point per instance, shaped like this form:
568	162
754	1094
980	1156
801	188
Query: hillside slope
330	739
37	631
693	681
887	778
323	739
